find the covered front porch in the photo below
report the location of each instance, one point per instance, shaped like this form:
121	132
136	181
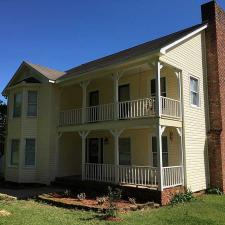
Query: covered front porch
123	156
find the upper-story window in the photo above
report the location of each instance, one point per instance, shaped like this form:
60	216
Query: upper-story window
17	105
194	91
162	86
32	103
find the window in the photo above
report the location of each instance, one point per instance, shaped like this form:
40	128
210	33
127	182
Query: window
32	103
194	91
162	85
17	105
15	146
164	151
124	151
30	152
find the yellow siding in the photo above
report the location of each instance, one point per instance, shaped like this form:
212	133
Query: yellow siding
189	57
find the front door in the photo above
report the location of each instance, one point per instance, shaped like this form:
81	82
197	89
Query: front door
93	102
95	150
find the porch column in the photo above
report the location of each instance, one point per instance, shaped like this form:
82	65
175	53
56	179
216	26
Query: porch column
159	129
84	85
116	76
116	134
158	67
180	132
178	74
83	135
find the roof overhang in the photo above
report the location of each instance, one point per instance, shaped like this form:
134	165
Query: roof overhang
175	43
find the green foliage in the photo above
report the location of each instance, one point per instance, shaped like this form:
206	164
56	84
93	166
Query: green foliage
101	200
132	200
182	197
214	191
67	193
81	196
113	196
206	210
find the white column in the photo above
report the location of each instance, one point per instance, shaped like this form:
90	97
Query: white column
159	131
83	135
116	134
178	74
180	132
84	85
158	67
116	76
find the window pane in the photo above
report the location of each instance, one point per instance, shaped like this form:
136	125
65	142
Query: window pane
32	103
30	152
155	159
14	161
17	105
194	92
124	151
194	84
32	97
162	84
164	151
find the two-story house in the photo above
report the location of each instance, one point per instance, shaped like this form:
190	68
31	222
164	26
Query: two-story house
145	116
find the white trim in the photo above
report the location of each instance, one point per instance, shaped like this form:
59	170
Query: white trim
166	48
199	98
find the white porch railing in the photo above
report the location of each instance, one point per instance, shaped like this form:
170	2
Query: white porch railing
100	172
126	110
137	108
100	113
138	175
70	117
170	107
172	176
135	175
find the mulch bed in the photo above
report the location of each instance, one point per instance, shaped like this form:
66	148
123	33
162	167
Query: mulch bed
91	203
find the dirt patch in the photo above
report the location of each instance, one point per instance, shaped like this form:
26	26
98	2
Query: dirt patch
91	203
4	213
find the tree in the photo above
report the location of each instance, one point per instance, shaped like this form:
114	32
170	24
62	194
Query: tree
3	114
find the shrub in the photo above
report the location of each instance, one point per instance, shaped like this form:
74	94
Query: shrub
182	197
67	193
81	196
113	196
214	191
132	200
101	200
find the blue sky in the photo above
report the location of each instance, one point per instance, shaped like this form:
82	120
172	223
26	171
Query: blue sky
62	34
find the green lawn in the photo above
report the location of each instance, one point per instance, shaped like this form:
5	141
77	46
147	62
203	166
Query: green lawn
207	210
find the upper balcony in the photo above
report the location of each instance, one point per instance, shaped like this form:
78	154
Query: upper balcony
124	110
138	92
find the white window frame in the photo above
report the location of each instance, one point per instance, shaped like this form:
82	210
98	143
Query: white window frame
190	91
32	116
10	159
35	153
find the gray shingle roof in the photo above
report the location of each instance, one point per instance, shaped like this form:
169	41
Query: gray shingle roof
133	52
51	74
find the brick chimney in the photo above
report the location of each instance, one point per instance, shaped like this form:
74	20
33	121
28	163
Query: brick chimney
215	56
